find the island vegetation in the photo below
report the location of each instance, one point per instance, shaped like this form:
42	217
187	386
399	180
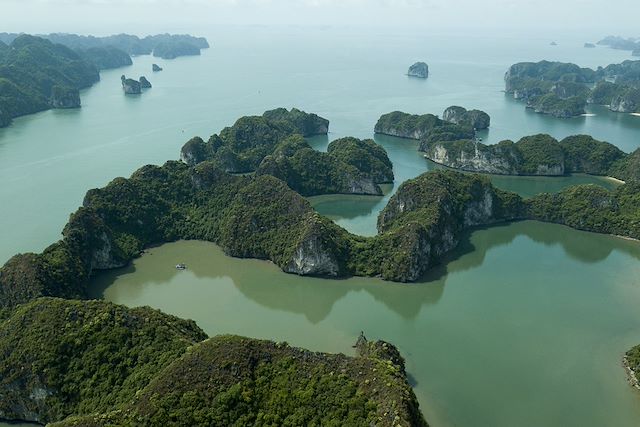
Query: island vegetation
564	89
476	119
273	144
37	75
42	72
105	364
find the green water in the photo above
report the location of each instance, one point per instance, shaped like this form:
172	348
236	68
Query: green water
524	325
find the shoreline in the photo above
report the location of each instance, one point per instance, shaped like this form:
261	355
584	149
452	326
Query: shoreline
632	379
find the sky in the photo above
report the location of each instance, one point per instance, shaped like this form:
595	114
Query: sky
100	17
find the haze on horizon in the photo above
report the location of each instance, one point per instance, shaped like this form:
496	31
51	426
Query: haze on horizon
101	17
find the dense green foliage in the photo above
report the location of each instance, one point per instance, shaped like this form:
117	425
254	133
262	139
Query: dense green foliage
83	356
355	169
583	153
30	70
241	147
592	208
235	381
64	358
540	152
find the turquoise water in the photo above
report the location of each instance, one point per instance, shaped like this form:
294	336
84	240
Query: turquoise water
524	325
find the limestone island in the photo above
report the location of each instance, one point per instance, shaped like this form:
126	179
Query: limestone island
130	86
156	68
419	69
273	144
589	45
564	89
144	83
456	146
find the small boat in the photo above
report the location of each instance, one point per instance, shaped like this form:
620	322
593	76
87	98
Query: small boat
181	267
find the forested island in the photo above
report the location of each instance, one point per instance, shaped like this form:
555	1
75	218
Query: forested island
273	144
455	146
564	89
621	43
39	73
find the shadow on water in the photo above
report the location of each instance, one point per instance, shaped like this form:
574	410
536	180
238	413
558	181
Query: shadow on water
265	284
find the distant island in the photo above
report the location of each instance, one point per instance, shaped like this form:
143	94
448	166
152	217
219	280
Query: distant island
42	72
156	68
564	89
589	45
621	43
419	69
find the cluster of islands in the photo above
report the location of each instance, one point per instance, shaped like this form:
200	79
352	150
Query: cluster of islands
564	89
244	189
38	73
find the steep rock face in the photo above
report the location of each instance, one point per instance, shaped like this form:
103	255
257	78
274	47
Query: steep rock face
61	357
65	97
476	119
473	156
626	102
419	69
130	86
144	83
313	257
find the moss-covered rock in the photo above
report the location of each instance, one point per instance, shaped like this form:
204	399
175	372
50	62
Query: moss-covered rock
426	127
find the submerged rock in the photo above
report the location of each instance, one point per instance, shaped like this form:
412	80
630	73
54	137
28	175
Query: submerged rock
419	69
130	86
65	97
156	67
144	83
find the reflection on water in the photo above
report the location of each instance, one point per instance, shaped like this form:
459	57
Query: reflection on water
476	332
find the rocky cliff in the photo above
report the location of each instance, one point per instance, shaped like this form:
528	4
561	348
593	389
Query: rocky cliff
422	127
476	119
144	83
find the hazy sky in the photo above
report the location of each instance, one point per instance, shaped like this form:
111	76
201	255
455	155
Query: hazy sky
145	16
